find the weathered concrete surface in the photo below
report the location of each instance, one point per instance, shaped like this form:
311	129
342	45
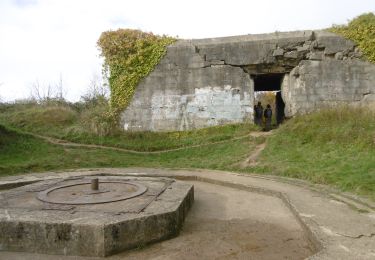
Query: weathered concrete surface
208	82
333	44
226	223
338	226
339	82
259	49
184	98
30	225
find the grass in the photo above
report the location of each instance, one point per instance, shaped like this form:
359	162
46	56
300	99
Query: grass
148	141
20	153
334	147
63	122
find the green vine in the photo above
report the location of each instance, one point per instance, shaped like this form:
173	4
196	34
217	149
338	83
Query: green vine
361	30
130	55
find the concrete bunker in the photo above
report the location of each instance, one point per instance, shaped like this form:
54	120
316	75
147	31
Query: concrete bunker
208	82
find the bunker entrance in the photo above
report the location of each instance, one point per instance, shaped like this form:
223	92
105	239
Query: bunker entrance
267	90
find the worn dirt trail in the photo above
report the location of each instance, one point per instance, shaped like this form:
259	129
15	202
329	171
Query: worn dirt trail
252	159
62	142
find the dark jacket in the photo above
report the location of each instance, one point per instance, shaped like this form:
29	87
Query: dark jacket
268	113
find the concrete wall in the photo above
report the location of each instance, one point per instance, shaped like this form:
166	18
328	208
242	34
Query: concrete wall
207	82
184	93
318	84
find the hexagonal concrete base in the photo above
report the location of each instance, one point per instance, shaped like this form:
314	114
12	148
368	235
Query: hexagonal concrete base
27	223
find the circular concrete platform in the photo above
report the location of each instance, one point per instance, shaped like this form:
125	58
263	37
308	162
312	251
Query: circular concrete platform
74	217
223	223
81	192
235	216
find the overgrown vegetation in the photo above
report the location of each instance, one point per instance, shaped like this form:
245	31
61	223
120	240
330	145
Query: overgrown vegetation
361	30
130	55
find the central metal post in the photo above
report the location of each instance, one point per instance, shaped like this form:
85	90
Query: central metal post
95	184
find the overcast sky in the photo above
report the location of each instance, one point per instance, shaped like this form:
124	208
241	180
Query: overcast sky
45	40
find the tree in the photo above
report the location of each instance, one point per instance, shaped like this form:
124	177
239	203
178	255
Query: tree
97	91
44	93
60	91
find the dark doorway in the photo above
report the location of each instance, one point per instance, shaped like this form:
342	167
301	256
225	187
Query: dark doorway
267	87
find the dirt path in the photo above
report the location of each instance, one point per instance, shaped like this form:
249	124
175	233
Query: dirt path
252	159
72	144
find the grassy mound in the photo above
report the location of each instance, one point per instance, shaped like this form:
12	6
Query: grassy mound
21	153
85	126
37	118
335	147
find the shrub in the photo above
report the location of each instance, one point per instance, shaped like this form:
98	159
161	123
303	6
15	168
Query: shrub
361	30
99	119
130	55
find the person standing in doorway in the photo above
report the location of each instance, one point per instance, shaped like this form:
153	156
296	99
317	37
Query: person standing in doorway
258	114
268	117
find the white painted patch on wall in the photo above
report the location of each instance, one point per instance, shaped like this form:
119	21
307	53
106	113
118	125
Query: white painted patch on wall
213	104
217	103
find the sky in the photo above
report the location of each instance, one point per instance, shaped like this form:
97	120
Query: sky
51	42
